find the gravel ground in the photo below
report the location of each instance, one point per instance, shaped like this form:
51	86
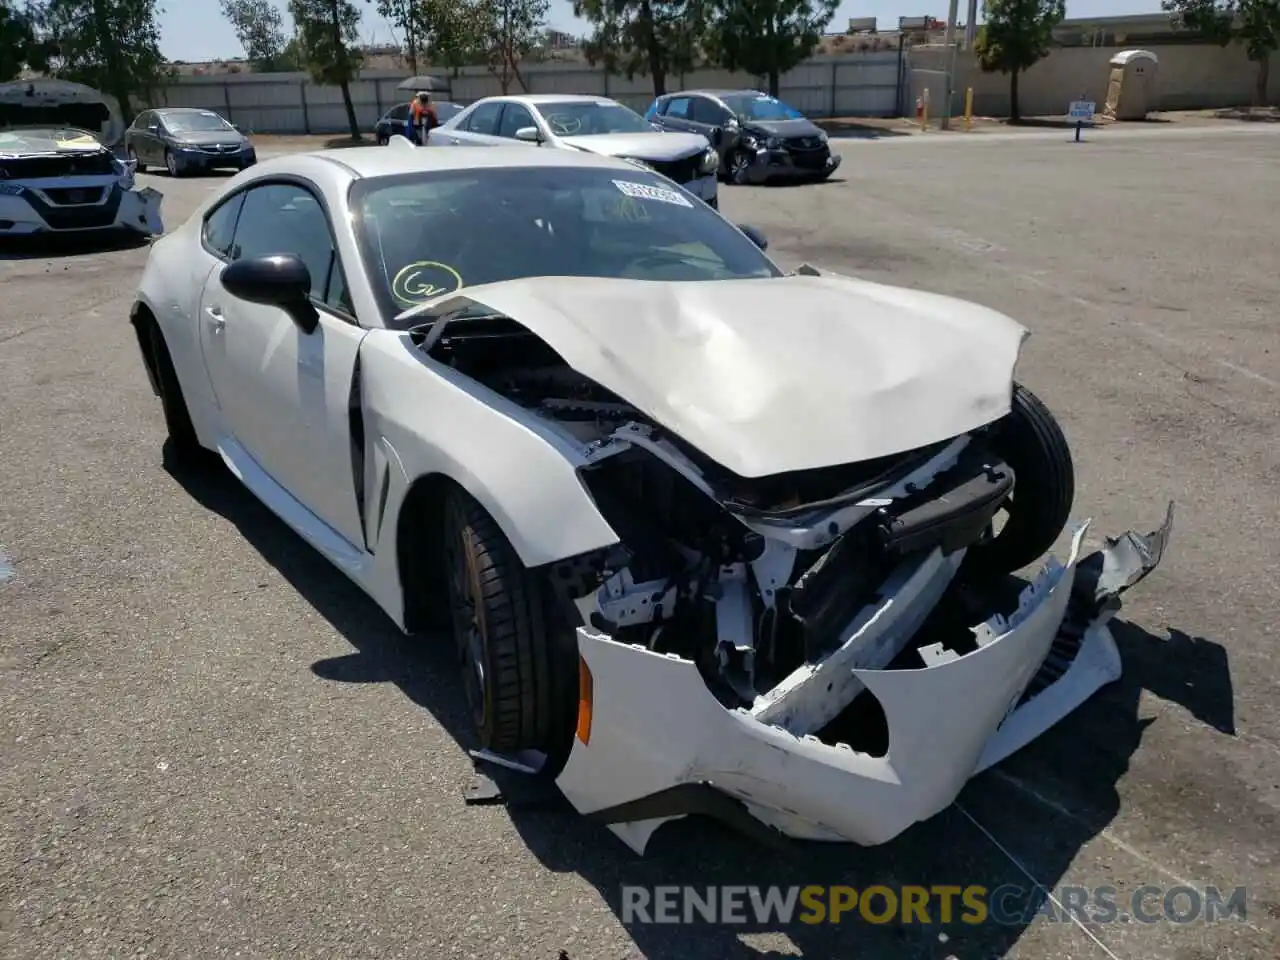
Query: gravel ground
212	746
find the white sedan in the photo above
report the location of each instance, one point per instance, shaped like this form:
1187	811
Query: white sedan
707	536
58	179
591	124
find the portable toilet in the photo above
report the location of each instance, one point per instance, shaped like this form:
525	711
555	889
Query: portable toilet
1132	88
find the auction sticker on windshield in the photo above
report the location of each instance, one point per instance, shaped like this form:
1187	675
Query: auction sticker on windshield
643	191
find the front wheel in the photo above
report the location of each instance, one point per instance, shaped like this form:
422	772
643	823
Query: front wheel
171	163
1030	441
739	167
138	165
517	655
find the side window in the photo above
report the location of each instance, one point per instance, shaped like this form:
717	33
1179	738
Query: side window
678	108
707	111
400	112
286	218
220	226
513	118
484	118
142	120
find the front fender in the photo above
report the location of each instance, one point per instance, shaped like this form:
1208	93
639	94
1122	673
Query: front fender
516	466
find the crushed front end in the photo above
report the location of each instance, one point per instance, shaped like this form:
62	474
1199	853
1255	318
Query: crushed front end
826	654
835	668
72	191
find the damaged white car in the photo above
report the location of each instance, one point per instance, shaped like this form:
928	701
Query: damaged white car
708	536
63	180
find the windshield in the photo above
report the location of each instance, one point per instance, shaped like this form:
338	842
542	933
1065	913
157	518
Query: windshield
44	139
585	118
426	234
447	111
202	122
761	107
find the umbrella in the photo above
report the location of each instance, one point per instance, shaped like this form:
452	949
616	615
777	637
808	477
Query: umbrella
430	84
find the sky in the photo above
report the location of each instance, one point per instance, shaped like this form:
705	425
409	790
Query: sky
194	30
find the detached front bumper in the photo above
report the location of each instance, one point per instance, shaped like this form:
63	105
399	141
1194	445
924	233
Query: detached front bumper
43	208
654	744
781	164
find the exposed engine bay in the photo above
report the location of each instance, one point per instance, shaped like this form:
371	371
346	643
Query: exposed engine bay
756	580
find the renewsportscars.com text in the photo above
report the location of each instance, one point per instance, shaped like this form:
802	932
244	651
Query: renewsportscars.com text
972	904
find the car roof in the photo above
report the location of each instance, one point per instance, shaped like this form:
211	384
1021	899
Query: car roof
714	93
167	110
552	98
364	162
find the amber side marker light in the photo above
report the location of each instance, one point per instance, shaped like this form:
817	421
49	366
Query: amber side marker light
584	700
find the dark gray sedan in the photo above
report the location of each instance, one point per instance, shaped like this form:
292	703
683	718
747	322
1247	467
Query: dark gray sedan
186	139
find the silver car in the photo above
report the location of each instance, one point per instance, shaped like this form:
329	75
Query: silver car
593	124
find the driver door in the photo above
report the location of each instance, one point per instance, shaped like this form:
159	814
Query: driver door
284	393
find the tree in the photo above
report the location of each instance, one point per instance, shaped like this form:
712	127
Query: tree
658	37
767	36
1255	23
509	31
21	47
1016	35
111	45
408	16
260	30
328	31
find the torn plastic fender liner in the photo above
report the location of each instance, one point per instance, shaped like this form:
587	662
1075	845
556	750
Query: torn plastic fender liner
140	211
946	722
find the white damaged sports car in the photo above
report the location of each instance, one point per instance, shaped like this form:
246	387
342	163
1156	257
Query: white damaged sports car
708	536
63	180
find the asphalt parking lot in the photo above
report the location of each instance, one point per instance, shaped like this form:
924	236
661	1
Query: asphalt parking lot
212	746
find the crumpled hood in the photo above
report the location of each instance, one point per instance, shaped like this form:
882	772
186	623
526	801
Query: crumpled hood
642	146
771	375
782	128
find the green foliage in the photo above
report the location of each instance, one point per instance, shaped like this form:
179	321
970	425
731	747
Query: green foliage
1255	23
111	45
1017	33
658	37
328	35
766	36
260	30
508	32
21	45
328	32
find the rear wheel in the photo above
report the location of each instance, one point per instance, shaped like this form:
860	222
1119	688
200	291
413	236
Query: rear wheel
516	652
1030	440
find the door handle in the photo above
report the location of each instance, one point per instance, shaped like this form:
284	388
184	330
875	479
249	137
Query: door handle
216	319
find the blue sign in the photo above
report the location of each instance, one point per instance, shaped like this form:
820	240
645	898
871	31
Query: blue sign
1081	111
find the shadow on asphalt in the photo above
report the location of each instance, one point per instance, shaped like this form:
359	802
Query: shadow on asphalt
45	246
948	849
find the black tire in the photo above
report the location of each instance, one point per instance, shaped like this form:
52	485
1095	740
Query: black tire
524	694
140	166
1030	440
739	164
182	434
171	163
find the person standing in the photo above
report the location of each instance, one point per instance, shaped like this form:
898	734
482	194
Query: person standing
422	117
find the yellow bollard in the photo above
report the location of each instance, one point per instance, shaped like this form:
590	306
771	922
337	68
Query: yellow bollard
924	112
968	109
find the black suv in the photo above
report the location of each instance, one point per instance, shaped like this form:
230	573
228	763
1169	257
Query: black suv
759	137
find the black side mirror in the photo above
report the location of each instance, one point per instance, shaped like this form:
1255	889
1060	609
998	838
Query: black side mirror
754	235
276	280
